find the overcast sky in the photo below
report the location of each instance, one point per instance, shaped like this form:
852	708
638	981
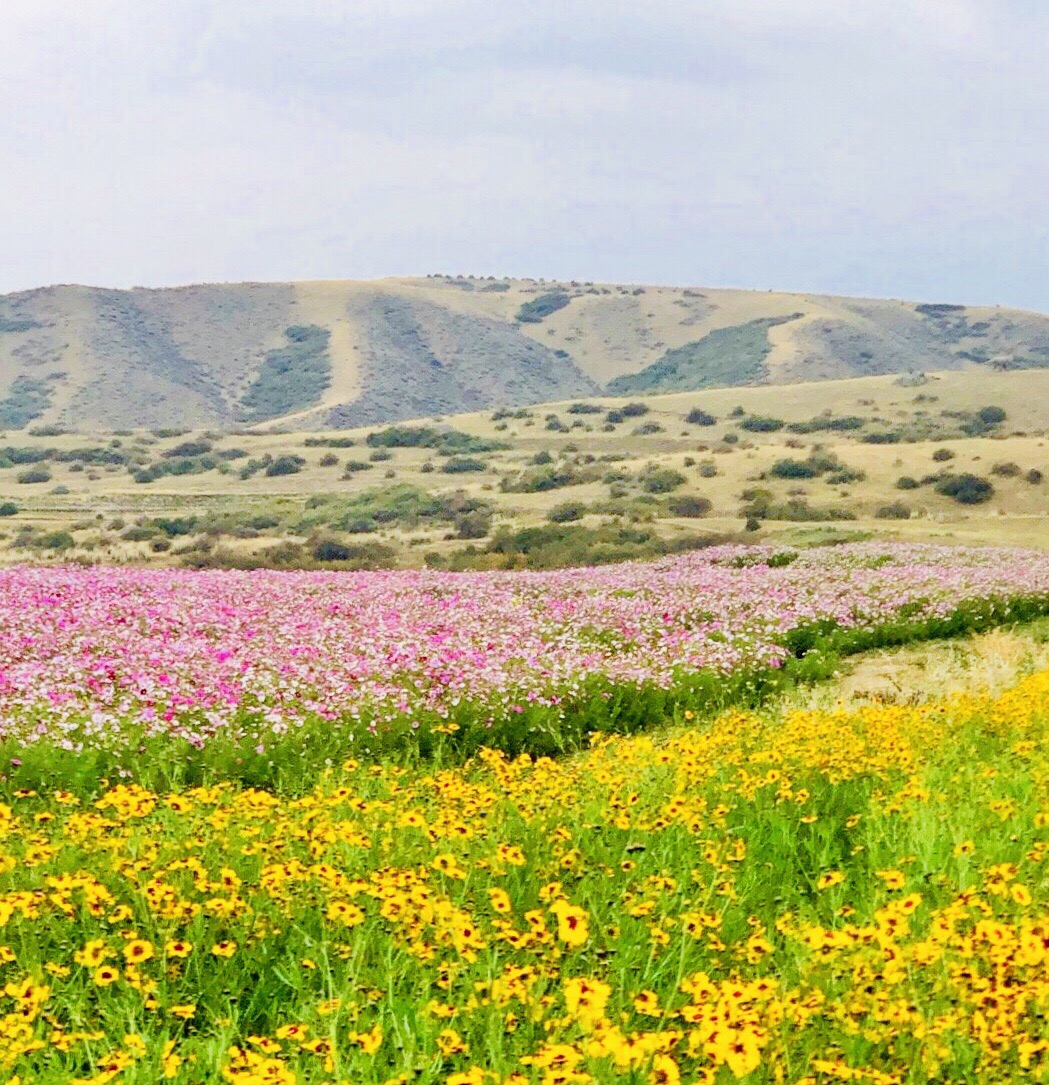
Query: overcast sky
878	147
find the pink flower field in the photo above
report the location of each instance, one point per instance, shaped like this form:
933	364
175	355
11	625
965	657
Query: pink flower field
88	652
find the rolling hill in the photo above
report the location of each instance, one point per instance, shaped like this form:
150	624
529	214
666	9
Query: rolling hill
318	355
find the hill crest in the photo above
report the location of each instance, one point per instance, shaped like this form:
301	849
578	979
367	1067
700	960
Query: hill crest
337	354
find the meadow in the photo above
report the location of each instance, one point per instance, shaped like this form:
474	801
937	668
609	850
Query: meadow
620	823
797	894
269	676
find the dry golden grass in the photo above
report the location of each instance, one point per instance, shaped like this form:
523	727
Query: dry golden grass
1017	514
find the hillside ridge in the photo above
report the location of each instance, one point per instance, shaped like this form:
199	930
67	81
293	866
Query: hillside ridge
344	353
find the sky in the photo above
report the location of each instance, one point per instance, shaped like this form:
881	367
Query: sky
890	148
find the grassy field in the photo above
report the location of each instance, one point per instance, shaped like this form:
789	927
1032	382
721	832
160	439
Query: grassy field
849	890
799	464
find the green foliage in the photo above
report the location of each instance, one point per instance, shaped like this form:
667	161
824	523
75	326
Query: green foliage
535	309
8	508
26	399
966	489
34	474
17	324
475	524
690	506
566	512
757	423
556	546
56	540
330	442
188	449
699	417
723	357
285	465
447	442
459	465
828	423
789	468
896	510
550	477
291	378
660	480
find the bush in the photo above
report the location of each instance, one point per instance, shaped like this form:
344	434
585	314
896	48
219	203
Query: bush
905	482
794	469
329	460
549	477
473	525
188	448
844	475
827	423
897	510
447	442
966	489
8	508
56	540
1034	476
285	465
689	505
942	455
991	416
1006	470
462	465
534	310
331	550
586	408
647	428
139	533
660	480
566	512
698	417
35	474
633	410
756	423
174	526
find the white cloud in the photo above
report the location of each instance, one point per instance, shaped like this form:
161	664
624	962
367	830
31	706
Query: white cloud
882	146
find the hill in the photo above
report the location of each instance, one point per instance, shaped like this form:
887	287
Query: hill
317	355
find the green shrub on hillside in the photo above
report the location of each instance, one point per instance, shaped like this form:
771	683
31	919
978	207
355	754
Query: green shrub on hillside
535	309
966	489
756	423
26	399
566	512
291	378
34	474
446	442
285	465
725	356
